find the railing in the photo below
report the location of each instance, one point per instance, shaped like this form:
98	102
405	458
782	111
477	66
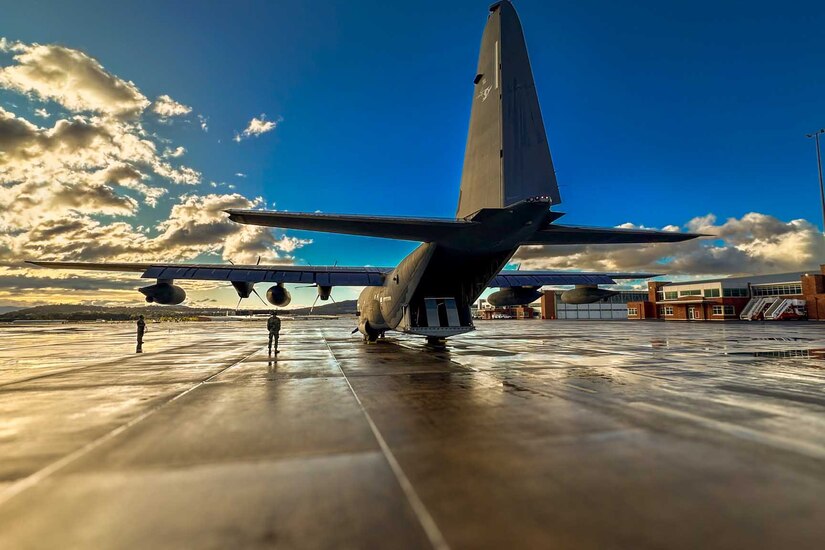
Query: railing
777	308
746	314
755	307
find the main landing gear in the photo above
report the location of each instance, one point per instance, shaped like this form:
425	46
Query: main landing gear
436	342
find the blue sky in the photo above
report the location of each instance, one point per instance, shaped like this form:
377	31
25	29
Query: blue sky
656	112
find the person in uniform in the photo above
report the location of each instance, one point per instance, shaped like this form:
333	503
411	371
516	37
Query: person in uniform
141	328
274	327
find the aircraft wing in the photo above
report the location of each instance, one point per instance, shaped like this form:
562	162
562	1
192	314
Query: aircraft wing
320	275
569	234
515	278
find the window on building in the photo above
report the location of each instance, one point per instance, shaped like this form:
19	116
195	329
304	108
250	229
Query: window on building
690	292
723	310
711	293
632	311
735	293
671	295
666	310
785	289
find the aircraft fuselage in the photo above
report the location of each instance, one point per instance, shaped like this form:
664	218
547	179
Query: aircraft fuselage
430	292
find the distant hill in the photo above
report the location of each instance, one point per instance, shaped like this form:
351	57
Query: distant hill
72	312
346	307
6	309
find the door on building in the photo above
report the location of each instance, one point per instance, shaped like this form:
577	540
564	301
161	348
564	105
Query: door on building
692	313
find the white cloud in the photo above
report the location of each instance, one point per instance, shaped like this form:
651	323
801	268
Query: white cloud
71	78
256	127
203	122
43	113
166	107
754	243
51	171
174	153
240	174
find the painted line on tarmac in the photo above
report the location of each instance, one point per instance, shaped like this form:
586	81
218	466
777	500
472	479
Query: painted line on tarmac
101	363
31	480
427	522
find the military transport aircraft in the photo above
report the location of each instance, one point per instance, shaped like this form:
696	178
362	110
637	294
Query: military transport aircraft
508	185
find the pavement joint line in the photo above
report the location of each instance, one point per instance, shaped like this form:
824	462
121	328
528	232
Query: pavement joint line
581	388
424	518
17	487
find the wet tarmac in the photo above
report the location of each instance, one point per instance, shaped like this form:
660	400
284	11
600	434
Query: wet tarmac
580	434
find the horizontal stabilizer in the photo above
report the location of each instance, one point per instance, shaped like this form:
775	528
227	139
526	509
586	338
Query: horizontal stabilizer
568	234
406	229
518	278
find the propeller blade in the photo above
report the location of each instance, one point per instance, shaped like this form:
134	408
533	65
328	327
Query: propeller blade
231	262
313	305
307	286
259	297
239	304
354	330
331	298
259	260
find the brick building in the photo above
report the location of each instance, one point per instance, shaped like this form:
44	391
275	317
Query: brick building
769	297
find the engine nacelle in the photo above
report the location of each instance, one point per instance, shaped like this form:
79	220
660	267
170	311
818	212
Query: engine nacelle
324	292
278	295
586	294
164	293
515	296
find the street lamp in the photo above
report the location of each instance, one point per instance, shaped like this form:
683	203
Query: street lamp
816	135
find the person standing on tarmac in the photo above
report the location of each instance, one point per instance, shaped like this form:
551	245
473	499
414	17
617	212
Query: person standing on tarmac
141	328
274	327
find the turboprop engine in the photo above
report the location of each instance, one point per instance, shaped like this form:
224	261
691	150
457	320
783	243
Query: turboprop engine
278	295
515	296
164	292
586	294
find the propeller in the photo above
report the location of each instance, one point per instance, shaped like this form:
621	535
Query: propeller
259	297
315	301
258	262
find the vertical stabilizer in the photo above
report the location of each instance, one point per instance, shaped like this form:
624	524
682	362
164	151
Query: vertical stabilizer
507	158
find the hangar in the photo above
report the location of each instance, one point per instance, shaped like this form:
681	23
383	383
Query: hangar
612	307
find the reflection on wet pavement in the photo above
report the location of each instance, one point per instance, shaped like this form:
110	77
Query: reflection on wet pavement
569	434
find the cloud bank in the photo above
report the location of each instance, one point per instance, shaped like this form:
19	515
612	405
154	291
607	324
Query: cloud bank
70	78
754	243
93	184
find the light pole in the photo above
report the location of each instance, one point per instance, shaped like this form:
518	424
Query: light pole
816	135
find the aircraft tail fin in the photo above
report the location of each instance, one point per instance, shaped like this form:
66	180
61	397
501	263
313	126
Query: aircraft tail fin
507	159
